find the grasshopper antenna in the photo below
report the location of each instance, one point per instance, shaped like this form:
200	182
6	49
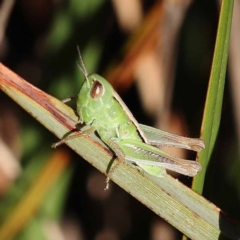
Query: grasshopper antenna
82	67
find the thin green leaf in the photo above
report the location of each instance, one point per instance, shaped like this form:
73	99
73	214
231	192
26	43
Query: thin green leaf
213	105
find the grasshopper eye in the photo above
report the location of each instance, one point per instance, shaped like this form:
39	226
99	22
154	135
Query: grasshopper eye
97	90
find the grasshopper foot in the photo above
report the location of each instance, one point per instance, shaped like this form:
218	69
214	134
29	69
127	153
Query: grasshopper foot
106	187
55	145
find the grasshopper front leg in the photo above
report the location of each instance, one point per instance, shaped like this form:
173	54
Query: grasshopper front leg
69	99
115	148
70	137
120	155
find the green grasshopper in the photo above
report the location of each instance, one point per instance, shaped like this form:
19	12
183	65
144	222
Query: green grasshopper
102	109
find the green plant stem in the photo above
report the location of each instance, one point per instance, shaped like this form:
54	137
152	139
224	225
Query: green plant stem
213	105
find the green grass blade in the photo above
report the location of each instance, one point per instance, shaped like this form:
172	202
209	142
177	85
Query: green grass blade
193	215
213	105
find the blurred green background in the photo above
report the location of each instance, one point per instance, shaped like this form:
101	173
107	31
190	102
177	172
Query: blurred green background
127	43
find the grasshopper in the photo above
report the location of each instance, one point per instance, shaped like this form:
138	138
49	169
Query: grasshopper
102	109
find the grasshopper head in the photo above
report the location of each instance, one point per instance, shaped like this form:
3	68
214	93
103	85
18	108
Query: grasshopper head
95	89
94	96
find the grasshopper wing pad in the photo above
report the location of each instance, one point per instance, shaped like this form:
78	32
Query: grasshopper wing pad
158	137
145	156
131	117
